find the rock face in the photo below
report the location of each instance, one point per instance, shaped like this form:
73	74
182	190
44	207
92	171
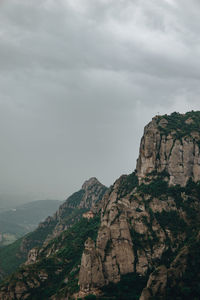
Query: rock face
91	267
94	191
32	256
91	193
128	238
87	198
165	151
156	284
158	280
145	222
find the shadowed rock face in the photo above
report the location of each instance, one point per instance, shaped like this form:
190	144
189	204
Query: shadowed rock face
179	156
156	284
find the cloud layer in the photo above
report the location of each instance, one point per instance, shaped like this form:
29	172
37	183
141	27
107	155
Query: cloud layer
80	78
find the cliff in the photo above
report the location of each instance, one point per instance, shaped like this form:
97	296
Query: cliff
145	243
171	144
149	216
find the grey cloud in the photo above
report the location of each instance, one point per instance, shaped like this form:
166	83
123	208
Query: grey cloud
78	81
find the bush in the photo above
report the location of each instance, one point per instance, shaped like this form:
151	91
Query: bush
171	220
176	123
128	183
155	188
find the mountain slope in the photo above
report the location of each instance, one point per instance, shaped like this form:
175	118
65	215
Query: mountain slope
25	218
68	213
146	229
56	268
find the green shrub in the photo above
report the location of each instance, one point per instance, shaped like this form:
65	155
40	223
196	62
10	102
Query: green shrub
127	184
176	123
171	220
155	188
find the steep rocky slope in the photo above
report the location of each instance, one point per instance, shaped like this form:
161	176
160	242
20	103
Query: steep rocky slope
146	244
171	144
68	213
147	226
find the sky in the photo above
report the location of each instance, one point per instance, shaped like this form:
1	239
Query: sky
79	80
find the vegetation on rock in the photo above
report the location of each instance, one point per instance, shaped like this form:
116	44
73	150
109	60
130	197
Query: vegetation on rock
180	124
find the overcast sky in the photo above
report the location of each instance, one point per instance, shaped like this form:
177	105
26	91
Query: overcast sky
79	79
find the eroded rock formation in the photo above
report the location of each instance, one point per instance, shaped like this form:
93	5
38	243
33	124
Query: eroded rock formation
167	151
144	225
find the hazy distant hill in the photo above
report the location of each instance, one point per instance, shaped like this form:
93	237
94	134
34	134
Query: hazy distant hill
24	218
11	200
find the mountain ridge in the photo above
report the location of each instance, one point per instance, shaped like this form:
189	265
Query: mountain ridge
67	214
151	223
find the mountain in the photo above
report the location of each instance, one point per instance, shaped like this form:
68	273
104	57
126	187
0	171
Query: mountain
11	200
24	218
140	241
150	221
68	213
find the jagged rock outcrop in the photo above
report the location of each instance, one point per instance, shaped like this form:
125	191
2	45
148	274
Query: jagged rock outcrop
91	267
87	198
144	223
156	285
159	279
165	150
32	256
128	238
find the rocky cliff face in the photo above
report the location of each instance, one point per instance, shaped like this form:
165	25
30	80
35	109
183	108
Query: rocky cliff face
174	150
145	224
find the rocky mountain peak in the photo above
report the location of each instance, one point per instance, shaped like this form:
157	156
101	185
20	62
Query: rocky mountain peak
93	193
147	214
87	198
171	144
90	182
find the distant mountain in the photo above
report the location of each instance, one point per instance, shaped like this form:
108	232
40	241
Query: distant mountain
24	218
69	213
11	200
